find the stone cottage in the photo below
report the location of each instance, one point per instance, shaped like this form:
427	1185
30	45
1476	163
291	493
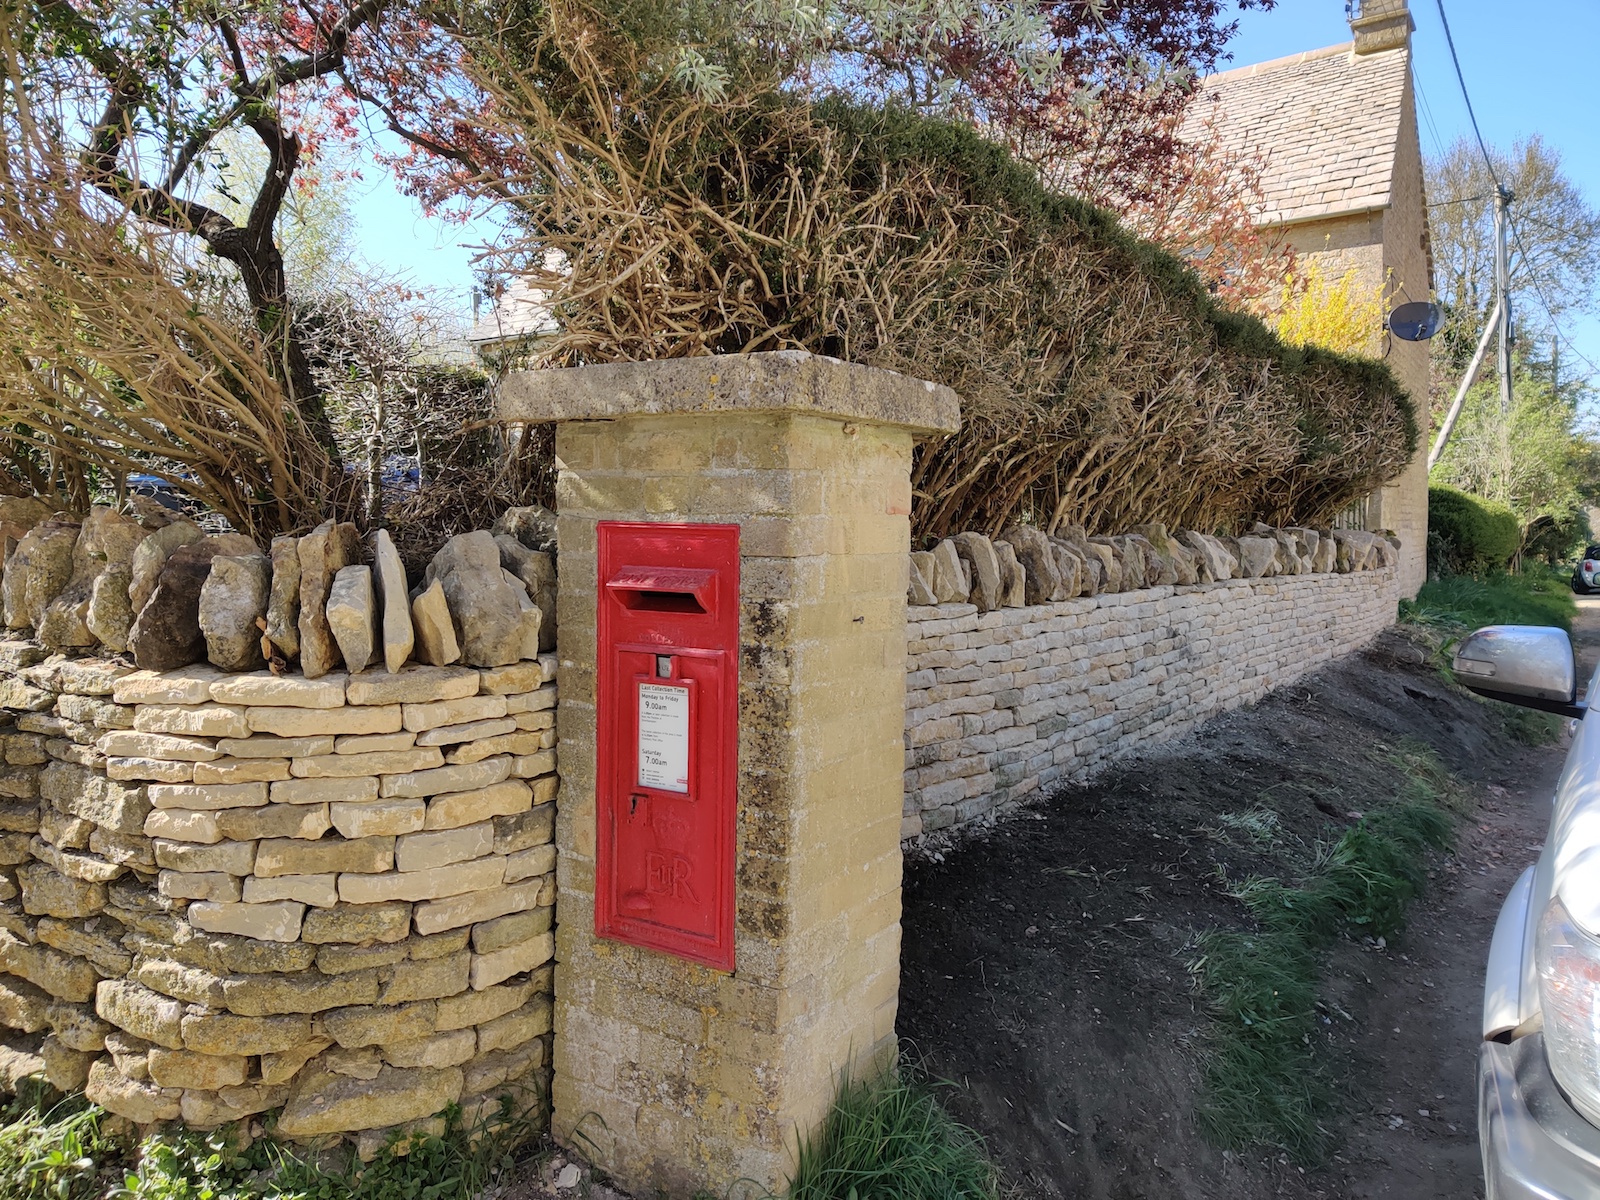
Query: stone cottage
1343	182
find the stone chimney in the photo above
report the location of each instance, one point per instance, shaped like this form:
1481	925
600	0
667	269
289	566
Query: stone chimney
1379	25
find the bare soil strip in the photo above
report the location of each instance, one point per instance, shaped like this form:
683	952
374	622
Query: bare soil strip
1045	964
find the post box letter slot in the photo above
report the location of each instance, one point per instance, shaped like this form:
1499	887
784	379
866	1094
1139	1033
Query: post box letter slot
661	589
667	737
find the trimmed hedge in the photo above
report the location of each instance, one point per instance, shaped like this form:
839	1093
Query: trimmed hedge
1473	534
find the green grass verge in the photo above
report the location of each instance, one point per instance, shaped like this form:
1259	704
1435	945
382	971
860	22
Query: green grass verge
1263	1085
891	1139
1458	603
61	1150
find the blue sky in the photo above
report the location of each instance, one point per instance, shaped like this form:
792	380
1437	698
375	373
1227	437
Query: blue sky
1529	67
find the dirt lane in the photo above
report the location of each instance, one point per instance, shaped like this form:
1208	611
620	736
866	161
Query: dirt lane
1044	968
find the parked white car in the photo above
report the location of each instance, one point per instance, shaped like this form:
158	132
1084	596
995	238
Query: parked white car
1539	1064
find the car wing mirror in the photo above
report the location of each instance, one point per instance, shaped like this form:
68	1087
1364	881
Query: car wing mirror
1529	665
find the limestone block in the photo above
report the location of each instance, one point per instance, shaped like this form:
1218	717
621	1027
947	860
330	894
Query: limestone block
18	514
454	809
423	717
241	770
290	856
524	830
129	850
208	796
432	883
303	821
61	975
87	867
57	828
336	958
206	1110
353	616
323	553
151	555
166	634
1257	557
275	995
295	722
136	1009
230	858
278	921
109	616
476	751
37	571
190	984
378	817
283	597
532	1020
481	1006
533	525
153	770
450	735
435	915
1013	579
498	1067
232	599
141	1103
183	825
371	1025
263	745
1325	559
23	1006
125	743
65	1069
421	851
353	766
186	1069
83	793
1042	575
199	720
358	923
446	779
80	940
199	885
952	582
318	891
530	864
485	607
505	932
436	640
265	690
280	1067
77	1026
372	743
324	791
397	636
321	1102
535	571
430	979
48	893
450	1049
531	766
983	564
514	679
414	684
919	579
224	1034
500	965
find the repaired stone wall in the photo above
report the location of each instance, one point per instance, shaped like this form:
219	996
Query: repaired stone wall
223	894
1002	704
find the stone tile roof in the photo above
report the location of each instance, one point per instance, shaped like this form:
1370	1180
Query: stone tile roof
1327	121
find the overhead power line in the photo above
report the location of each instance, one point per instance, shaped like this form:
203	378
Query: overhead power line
1461	79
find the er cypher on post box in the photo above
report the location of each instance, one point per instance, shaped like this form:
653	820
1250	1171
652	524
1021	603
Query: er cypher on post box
667	737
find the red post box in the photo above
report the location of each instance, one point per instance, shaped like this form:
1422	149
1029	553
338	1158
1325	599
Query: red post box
667	698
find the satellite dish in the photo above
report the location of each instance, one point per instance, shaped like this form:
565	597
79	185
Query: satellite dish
1416	322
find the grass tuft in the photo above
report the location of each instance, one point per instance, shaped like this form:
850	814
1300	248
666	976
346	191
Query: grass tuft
1262	1082
1456	604
891	1139
59	1152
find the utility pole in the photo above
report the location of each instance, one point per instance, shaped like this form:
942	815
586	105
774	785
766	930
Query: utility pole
1498	326
1502	287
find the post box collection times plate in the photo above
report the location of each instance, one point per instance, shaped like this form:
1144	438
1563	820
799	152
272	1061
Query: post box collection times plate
667	729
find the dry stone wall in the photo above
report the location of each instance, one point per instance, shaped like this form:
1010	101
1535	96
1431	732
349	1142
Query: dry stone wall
1003	703
225	894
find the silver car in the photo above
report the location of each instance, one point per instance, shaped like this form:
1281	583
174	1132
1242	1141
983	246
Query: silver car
1539	1064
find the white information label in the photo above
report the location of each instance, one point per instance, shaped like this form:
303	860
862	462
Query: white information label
664	737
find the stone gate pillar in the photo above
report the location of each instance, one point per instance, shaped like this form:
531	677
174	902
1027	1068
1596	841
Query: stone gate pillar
673	1076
